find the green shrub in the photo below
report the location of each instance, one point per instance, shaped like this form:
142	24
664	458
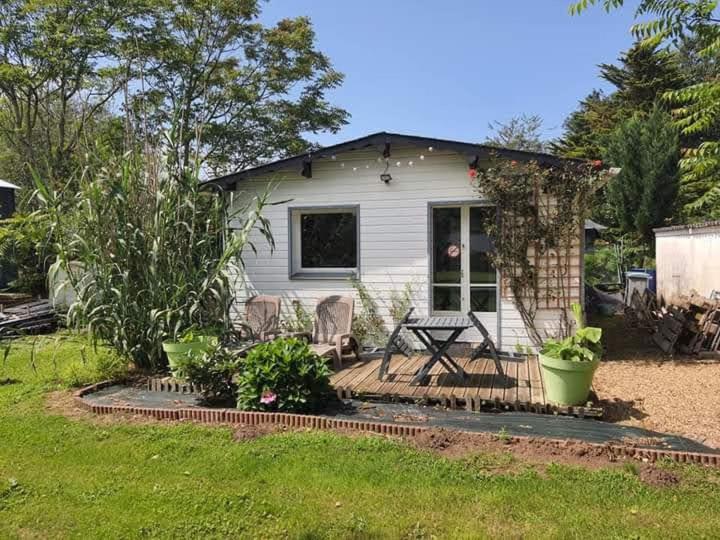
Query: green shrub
601	265
283	375
213	372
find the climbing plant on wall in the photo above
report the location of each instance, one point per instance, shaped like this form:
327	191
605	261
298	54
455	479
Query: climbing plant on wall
537	233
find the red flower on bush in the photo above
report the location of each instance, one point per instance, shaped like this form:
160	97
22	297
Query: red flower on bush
597	164
472	173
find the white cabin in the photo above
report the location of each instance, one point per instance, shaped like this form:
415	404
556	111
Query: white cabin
388	209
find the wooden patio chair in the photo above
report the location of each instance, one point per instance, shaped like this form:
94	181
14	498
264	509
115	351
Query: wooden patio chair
396	343
487	348
262	319
332	334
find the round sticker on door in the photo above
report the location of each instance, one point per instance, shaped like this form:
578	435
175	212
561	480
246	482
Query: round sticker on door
453	251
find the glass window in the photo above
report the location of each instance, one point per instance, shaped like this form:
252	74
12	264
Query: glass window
446	299
483	299
324	240
481	268
483	275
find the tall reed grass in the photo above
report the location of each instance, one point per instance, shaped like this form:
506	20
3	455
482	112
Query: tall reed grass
148	250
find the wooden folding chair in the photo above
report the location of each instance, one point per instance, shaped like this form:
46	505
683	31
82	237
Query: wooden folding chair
487	348
396	343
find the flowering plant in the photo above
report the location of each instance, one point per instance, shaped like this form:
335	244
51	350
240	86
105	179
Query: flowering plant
283	375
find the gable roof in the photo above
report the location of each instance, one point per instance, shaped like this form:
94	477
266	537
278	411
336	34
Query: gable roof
380	140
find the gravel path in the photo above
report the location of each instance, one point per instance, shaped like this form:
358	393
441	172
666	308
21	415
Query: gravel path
642	387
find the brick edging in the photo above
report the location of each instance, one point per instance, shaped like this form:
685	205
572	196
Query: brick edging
252	418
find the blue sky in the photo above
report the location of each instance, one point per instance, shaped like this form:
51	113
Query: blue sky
446	69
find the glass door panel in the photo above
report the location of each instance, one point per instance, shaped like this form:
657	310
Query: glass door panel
447	256
483	275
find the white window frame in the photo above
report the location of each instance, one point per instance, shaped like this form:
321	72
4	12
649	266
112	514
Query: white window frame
295	268
465	285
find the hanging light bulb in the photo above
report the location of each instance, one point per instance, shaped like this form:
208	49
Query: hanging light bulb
422	156
410	163
398	164
354	169
333	157
342	165
430	149
367	166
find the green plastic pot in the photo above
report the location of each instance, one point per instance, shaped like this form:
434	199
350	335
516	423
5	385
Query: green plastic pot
176	351
567	382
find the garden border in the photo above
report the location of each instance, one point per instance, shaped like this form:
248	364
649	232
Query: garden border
234	417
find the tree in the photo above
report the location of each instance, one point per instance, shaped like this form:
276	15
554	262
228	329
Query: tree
255	90
520	133
696	105
59	69
587	128
641	77
643	194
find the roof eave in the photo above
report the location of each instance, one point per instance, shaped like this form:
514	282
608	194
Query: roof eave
379	140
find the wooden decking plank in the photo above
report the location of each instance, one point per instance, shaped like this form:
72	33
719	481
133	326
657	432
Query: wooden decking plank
404	374
486	369
452	385
385	386
523	393
537	392
510	384
357	378
422	390
349	372
473	369
484	384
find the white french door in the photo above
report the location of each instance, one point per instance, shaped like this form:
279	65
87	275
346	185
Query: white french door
463	277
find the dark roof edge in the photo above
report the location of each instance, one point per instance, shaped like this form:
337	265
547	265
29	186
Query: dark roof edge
701	225
378	140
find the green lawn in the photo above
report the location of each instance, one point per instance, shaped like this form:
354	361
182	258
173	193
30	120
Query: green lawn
65	478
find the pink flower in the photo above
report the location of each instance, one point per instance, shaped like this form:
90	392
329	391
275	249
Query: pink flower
597	164
472	173
268	397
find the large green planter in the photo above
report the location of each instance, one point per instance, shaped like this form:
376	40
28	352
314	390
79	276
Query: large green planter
176	351
567	382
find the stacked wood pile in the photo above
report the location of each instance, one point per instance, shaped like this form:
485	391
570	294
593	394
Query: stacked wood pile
8	300
689	324
30	318
643	309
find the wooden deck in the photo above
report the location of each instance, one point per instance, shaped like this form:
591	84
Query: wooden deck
483	388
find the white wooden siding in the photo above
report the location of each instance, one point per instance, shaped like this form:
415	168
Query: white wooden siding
687	260
393	229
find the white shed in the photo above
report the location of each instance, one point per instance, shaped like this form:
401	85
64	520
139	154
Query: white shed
387	209
687	259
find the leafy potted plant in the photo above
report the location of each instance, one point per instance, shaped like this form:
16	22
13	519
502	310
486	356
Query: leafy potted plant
192	343
568	365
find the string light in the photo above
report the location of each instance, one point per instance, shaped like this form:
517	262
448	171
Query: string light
387	162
